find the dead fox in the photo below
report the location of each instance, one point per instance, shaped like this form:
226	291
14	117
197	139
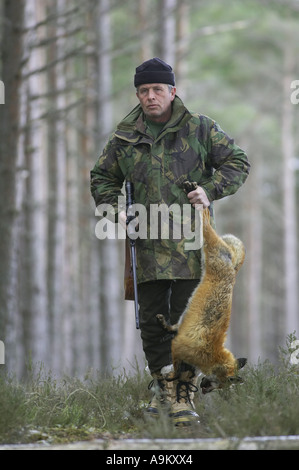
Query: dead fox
201	330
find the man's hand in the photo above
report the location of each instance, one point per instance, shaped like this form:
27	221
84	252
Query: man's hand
198	196
122	218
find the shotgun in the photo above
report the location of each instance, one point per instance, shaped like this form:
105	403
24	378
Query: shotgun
131	230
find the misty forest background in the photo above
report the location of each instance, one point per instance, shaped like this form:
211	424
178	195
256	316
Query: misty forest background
68	68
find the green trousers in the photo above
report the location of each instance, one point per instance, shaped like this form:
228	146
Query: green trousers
170	299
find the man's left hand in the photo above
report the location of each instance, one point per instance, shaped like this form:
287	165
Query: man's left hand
198	196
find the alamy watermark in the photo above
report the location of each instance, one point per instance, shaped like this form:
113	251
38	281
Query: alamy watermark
158	221
295	93
294	359
2	353
2	92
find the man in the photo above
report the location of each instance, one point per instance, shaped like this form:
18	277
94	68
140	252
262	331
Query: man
158	146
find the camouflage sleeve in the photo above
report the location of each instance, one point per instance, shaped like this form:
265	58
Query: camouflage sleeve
230	163
106	178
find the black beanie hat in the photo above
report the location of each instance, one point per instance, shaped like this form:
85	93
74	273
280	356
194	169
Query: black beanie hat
154	71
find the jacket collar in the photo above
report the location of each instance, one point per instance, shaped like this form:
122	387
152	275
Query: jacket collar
132	126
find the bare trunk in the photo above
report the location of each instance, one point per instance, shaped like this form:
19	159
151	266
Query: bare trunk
36	318
144	32
111	316
10	175
181	68
289	192
57	190
167	31
254	264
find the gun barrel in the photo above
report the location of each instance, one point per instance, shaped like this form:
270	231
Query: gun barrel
130	193
129	203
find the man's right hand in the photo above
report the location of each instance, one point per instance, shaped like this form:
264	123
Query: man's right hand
122	218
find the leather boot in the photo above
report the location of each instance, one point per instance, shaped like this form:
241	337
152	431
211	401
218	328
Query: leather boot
162	386
182	407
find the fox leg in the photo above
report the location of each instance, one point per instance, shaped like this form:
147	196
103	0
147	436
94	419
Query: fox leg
167	325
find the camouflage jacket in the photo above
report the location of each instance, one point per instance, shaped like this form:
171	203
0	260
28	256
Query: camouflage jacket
190	147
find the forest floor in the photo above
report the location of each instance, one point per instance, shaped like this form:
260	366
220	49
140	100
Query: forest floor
107	412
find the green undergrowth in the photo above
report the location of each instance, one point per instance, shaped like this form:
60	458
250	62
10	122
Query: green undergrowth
43	408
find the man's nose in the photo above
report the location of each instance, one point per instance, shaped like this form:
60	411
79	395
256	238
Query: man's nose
151	94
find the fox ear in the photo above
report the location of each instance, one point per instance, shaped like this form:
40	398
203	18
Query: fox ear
241	361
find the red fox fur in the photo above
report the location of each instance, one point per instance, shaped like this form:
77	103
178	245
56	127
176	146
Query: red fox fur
201	330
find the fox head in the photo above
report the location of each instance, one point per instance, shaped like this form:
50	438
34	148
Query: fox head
218	379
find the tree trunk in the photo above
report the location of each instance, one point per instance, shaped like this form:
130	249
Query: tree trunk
144	33
181	68
254	261
10	175
167	31
289	193
57	189
36	318
111	311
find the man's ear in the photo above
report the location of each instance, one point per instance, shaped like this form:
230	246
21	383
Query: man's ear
173	92
241	362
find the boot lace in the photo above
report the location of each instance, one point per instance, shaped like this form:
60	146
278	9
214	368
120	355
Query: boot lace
154	384
158	388
183	390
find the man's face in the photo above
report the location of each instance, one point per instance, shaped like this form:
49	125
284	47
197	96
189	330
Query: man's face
155	100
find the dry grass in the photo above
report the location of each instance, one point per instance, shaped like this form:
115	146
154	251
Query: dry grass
43	408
